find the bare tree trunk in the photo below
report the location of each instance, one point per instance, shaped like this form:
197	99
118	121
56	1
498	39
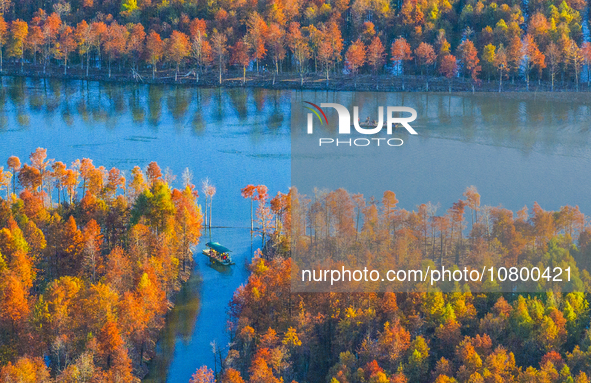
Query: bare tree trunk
210	209
206	205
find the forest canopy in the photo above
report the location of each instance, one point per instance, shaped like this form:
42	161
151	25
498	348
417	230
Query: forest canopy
90	261
336	229
476	40
402	337
281	335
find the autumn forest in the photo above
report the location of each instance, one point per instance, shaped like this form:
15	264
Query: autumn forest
89	265
476	44
91	261
279	335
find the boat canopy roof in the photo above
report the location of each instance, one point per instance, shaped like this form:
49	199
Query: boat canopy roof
217	247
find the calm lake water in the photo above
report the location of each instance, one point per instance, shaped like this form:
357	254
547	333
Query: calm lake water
515	150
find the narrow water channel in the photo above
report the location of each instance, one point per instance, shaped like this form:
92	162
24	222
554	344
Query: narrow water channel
199	316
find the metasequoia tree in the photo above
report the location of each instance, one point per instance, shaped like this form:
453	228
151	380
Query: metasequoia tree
177	48
276	43
401	52
3	36
376	55
219	50
34	40
325	33
240	57
425	56
50	29
257	32
449	68
114	42
66	44
200	47
84	41
500	63
355	57
135	43
154	50
470	60
575	58
532	57
298	45
18	30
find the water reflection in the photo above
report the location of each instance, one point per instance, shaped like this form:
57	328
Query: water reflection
546	123
180	325
199	316
517	149
549	123
106	103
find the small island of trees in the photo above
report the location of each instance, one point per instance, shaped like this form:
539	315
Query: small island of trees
90	262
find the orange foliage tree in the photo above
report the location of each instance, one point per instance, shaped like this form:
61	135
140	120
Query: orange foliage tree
154	50
85	283
177	48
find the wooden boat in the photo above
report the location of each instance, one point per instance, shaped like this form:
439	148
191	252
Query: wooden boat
218	254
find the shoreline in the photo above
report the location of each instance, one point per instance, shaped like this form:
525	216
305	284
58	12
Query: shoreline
292	81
